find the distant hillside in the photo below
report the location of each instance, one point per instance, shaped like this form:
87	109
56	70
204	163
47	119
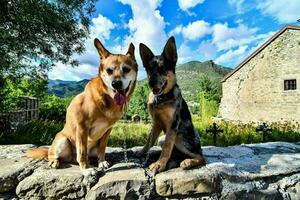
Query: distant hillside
62	88
188	76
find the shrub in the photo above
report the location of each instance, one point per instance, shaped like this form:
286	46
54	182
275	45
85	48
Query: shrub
135	134
238	133
42	132
37	132
54	108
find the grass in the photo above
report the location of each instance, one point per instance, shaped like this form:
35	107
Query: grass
135	134
42	133
37	132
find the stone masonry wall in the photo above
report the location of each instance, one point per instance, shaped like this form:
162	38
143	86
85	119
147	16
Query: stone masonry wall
256	91
245	172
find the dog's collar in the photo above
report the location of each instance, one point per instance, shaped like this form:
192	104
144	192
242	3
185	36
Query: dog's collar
164	97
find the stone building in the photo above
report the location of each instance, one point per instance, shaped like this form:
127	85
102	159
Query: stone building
266	85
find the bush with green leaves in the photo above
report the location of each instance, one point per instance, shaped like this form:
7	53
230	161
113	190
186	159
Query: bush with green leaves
26	87
54	108
135	134
138	103
39	132
42	132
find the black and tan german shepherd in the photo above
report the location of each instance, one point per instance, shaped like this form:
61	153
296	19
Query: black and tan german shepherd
169	112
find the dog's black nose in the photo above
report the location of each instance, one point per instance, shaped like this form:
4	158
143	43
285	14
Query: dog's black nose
117	84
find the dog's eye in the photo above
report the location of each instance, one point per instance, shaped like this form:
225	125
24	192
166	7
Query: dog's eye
126	69
109	71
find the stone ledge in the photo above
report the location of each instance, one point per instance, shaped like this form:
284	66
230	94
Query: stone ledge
263	171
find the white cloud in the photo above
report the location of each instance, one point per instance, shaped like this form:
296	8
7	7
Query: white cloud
232	55
193	31
233	43
225	37
185	53
89	61
238	4
146	26
187	4
196	30
177	30
284	11
208	50
102	27
66	72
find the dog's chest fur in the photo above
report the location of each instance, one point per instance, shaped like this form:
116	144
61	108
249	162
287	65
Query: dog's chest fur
98	128
163	108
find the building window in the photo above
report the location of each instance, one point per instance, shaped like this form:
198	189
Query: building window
290	84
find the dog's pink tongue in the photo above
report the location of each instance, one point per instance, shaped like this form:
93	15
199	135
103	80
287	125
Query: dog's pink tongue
120	98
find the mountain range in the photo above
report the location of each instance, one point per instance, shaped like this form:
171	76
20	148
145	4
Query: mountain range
188	76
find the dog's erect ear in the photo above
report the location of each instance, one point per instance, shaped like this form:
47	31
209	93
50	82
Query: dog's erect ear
170	51
146	55
130	51
104	53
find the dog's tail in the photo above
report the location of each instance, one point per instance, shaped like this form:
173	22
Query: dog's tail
38	153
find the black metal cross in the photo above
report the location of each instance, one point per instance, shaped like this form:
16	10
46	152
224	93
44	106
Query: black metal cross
264	129
214	130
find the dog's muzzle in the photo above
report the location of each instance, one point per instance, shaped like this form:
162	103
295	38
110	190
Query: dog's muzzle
120	97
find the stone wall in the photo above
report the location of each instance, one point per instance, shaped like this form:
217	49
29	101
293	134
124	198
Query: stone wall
256	91
253	171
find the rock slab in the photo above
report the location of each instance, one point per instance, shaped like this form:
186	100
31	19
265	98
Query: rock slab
254	171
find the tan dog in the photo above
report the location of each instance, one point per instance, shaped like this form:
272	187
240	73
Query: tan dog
92	113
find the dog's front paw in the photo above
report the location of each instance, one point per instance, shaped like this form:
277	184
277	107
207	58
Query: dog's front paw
53	163
103	165
186	164
83	165
157	167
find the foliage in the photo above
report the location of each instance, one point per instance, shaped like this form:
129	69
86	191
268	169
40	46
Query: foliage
210	97
135	134
208	107
54	108
42	132
35	34
189	76
238	133
37	132
138	102
211	88
26	87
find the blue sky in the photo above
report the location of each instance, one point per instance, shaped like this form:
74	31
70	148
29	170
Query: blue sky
225	31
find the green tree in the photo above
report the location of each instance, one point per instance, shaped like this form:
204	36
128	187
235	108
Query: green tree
210	97
54	108
211	88
37	33
26	87
138	102
208	107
